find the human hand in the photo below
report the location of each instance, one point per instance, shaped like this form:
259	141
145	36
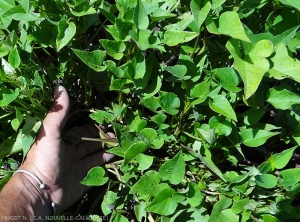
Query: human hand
61	165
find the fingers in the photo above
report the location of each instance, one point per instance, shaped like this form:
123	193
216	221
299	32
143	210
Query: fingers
56	118
96	160
76	133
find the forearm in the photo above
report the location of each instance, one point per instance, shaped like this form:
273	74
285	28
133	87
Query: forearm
23	200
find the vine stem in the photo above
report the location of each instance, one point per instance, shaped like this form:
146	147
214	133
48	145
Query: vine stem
150	218
192	54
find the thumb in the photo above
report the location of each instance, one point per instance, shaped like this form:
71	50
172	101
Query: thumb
56	118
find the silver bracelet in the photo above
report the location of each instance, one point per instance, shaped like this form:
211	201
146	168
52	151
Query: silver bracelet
42	185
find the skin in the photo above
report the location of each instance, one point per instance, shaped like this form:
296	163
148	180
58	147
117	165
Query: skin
59	164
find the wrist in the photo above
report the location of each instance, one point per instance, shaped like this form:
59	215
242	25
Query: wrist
37	200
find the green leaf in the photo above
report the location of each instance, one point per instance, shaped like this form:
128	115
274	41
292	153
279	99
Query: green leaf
290	177
7	96
66	32
229	78
169	102
256	137
254	66
140	18
139	210
220	125
220	104
144	161
14	58
173	169
100	116
199	13
92	59
195	197
134	150
231	25
269	218
284	65
207	161
114	48
163	203
217	3
293	3
7	5
200	91
151	103
267	181
172	38
178	71
218	207
282	99
95	177
148	134
253	115
148	184
208	135
160	14
145	40
283	158
239	206
108	202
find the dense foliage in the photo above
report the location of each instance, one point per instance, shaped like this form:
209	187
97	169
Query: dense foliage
202	95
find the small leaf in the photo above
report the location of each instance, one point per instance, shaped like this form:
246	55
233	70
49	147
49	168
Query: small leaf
140	18
7	96
293	3
269	218
178	71
284	65
95	177
160	14
169	102
283	158
163	203
256	137
238	207
253	115
200	91
151	103
134	150
254	66
290	177
220	104
173	169
218	207
100	116
92	59
282	99
148	184
267	181
172	38
229	78
231	25
149	134
14	58
220	125
144	161
200	14
114	48
66	32
195	197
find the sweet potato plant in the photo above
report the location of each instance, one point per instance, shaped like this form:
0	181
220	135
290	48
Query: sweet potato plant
203	97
